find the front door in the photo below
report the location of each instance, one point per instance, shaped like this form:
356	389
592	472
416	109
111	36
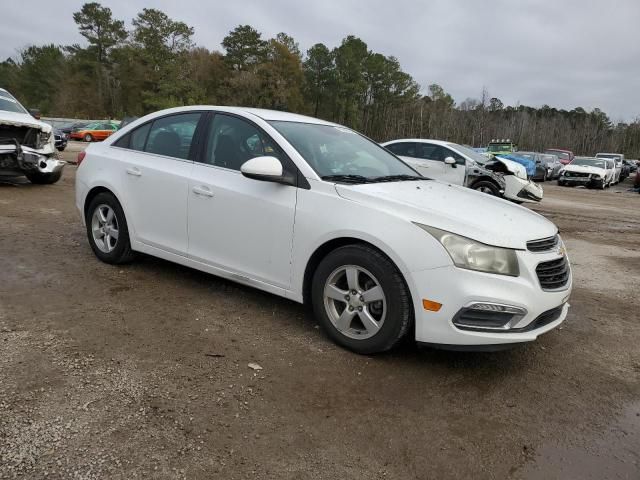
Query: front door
241	225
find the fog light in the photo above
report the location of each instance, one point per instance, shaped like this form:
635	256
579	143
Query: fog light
488	316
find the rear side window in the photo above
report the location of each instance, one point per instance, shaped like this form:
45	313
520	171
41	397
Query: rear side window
403	149
139	137
172	135
135	140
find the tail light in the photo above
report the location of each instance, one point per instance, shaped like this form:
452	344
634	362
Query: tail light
81	156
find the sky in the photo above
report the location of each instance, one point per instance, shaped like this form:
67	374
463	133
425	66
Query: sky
563	53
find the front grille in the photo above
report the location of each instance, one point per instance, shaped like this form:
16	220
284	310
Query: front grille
553	274
543	245
575	174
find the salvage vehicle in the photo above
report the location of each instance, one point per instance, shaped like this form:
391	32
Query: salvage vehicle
565	156
501	147
27	145
318	213
617	158
460	165
547	166
588	172
60	139
93	132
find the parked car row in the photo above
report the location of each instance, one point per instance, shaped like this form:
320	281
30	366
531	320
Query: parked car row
460	165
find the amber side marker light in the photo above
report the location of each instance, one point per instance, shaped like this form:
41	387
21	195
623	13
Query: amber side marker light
431	305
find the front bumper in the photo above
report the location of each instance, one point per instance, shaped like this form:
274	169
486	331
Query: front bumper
521	190
581	181
16	160
457	288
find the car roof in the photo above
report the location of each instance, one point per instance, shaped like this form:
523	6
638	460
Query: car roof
262	113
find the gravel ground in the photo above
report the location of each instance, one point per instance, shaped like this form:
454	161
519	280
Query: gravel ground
142	371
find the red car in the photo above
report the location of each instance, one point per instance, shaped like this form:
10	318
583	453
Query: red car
565	156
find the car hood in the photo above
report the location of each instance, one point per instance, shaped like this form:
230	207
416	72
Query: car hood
22	120
514	167
456	209
584	169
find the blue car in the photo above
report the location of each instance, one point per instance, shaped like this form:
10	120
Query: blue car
528	164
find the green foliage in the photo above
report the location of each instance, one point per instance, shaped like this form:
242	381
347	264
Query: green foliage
155	65
97	25
245	48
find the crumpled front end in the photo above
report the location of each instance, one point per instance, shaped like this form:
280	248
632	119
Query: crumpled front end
27	149
521	190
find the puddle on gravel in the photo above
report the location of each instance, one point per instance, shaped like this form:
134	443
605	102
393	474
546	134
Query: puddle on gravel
615	454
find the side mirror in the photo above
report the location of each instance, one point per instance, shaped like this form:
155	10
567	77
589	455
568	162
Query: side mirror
450	161
266	169
35	113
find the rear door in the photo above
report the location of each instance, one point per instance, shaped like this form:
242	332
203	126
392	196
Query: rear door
157	159
407	152
238	224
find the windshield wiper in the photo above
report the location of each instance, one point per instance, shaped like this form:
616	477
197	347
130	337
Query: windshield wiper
346	178
397	178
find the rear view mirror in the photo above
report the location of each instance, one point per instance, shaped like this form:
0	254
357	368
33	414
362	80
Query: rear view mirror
450	161
266	169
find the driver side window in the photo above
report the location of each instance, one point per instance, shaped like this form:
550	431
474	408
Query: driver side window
232	141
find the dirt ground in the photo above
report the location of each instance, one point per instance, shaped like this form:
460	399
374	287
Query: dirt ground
141	371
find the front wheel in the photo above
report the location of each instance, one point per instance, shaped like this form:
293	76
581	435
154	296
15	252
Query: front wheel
485	186
361	300
88	138
107	230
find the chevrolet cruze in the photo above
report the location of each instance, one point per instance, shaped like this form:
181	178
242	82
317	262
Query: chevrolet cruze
315	212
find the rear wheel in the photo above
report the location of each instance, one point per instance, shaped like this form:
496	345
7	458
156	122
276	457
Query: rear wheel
40	178
107	230
360	298
88	137
486	186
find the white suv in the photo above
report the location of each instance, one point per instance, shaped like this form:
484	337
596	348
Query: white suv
315	212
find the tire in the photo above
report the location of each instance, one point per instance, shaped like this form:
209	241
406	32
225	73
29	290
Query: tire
118	250
392	312
40	178
486	186
88	137
560	183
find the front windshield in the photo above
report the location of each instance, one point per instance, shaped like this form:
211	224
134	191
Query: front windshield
590	162
612	156
499	147
336	151
472	154
10	104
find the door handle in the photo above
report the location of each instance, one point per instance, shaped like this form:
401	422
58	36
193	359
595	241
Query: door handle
204	191
134	171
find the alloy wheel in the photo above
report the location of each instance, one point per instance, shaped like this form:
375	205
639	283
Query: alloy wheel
355	302
104	228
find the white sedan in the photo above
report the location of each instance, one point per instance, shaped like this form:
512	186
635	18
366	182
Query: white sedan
459	165
315	212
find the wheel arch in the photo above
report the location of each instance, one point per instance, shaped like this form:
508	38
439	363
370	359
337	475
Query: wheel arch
93	192
329	246
486	178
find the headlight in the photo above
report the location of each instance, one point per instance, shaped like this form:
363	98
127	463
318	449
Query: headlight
472	255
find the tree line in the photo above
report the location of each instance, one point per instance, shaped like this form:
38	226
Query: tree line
155	64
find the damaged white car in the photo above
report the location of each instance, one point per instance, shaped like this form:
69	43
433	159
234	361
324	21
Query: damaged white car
460	165
27	145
